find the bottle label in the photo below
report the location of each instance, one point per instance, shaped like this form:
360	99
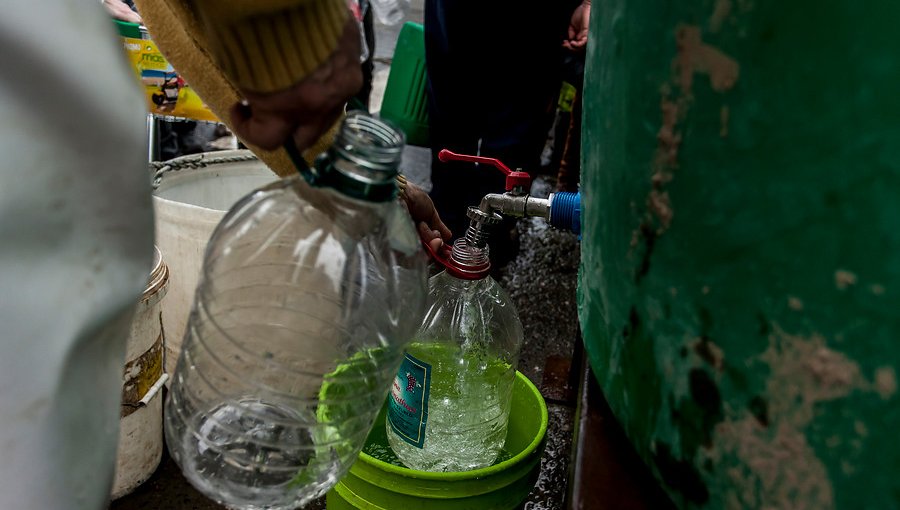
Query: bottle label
408	403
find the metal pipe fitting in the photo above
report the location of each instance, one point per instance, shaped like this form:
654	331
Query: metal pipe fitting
480	223
538	207
488	213
517	206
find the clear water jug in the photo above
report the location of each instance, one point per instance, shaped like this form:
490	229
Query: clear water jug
449	403
307	298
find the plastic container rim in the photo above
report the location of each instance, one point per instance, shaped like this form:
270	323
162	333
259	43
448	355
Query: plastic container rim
475	473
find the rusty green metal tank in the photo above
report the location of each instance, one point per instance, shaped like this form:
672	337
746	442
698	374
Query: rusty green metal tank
740	286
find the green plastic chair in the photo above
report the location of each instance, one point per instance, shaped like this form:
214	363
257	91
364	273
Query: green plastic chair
404	101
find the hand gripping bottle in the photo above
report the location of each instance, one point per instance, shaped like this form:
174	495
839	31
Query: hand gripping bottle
449	404
307	298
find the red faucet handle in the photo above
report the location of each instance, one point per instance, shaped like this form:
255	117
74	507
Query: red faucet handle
518	179
514	178
446	155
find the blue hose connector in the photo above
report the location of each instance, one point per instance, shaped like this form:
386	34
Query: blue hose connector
565	212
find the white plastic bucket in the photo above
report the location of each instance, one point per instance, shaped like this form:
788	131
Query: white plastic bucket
140	426
191	197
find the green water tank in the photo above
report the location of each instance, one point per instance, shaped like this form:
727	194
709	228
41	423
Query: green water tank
405	101
740	280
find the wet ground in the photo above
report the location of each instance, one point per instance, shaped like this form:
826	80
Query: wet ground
542	282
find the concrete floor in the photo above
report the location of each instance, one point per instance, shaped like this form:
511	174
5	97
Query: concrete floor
541	281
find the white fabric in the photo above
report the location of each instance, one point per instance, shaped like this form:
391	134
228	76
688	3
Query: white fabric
75	249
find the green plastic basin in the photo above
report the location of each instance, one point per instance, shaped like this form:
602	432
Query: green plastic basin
372	484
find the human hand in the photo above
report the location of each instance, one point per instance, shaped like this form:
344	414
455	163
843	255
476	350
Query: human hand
119	10
428	223
578	27
306	110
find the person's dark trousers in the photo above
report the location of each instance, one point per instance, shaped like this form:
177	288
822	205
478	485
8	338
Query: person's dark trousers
176	139
493	80
368	66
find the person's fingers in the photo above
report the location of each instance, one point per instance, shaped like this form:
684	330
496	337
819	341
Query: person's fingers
440	227
122	12
431	237
573	28
418	203
307	134
264	130
131	16
422	210
577	43
424	231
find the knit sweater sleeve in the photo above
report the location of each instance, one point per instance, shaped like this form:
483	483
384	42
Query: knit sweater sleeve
190	35
269	45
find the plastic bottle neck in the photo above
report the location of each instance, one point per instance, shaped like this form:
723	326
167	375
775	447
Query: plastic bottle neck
364	160
471	262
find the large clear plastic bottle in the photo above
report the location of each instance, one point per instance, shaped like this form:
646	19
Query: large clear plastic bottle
449	403
307	298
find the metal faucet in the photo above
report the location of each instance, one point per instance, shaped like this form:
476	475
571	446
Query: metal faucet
515	202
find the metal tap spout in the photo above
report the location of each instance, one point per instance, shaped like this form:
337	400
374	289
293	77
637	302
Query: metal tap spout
515	203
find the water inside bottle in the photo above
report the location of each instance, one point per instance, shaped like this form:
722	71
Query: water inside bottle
468	410
379	449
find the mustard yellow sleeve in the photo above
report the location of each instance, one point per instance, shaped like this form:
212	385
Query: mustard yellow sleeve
269	45
184	32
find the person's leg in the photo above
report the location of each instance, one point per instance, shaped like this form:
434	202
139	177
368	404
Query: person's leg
569	173
453	101
490	93
191	140
517	135
167	140
458	185
368	66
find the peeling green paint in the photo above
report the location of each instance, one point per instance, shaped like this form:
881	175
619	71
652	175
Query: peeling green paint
740	273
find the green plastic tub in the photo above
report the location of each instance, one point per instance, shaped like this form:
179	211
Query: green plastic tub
372	484
404	101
